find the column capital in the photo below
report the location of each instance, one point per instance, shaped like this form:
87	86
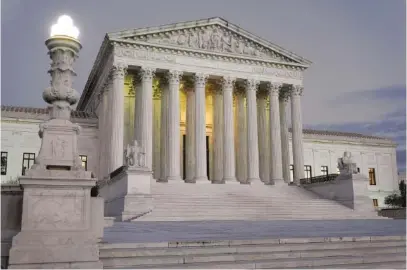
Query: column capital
174	76
252	84
228	83
240	89
200	79
284	95
118	70
296	90
274	88
147	73
188	83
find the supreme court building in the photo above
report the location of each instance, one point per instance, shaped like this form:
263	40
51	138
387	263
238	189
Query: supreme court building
206	101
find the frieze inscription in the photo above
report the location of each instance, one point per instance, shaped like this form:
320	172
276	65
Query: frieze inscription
147	55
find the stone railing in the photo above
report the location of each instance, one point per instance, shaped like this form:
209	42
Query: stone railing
319	179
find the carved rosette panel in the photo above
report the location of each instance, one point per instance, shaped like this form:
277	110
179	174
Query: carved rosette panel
174	76
227	83
200	79
213	38
274	88
296	90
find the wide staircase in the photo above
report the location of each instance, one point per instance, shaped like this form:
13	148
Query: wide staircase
178	201
379	252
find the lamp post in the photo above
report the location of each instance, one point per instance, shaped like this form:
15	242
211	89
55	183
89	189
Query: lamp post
59	149
63	46
61	224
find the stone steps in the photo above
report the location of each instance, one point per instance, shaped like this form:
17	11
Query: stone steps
177	201
256	254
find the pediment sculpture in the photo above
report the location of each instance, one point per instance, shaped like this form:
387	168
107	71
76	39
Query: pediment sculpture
134	156
212	38
346	164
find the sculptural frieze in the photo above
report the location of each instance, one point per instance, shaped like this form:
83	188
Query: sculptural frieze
212	38
134	156
346	164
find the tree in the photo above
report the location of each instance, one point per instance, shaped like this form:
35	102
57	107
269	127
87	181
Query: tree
397	200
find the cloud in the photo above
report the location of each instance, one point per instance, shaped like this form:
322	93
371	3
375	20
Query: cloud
391	125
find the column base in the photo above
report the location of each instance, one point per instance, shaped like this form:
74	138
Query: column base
270	183
201	179
252	180
162	181
247	182
174	178
190	181
218	181
229	179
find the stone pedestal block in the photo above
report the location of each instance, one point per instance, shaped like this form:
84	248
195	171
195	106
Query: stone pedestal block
128	193
58	228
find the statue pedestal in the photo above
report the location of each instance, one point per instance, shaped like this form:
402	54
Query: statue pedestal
57	229
128	193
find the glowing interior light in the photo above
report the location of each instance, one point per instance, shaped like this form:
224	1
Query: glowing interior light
65	27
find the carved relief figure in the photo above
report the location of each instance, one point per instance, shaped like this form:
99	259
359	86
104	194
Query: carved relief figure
134	156
346	164
58	147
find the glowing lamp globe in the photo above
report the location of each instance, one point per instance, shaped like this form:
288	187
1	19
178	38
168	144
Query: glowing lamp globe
64	27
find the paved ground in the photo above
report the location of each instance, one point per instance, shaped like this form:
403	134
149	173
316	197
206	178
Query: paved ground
127	232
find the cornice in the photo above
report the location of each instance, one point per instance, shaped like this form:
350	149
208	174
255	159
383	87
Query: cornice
97	68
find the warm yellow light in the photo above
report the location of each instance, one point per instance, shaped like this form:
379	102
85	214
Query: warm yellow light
65	27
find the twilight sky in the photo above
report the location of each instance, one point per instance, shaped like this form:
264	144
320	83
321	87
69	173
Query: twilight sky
357	81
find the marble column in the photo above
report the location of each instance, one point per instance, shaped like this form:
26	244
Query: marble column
264	145
101	119
137	86
276	171
285	146
190	133
217	134
156	132
146	115
229	173
200	128
109	131
174	77
241	141
252	135
296	122
164	130
117	121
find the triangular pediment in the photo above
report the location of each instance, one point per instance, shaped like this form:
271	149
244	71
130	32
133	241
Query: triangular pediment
212	35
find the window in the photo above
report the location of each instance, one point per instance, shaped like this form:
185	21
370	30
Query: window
308	172
375	203
372	177
84	161
28	161
292	172
358	170
3	163
324	170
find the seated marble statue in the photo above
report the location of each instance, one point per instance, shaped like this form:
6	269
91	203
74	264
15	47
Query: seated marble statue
134	156
346	165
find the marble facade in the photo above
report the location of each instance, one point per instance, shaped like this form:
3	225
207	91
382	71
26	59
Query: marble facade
207	80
